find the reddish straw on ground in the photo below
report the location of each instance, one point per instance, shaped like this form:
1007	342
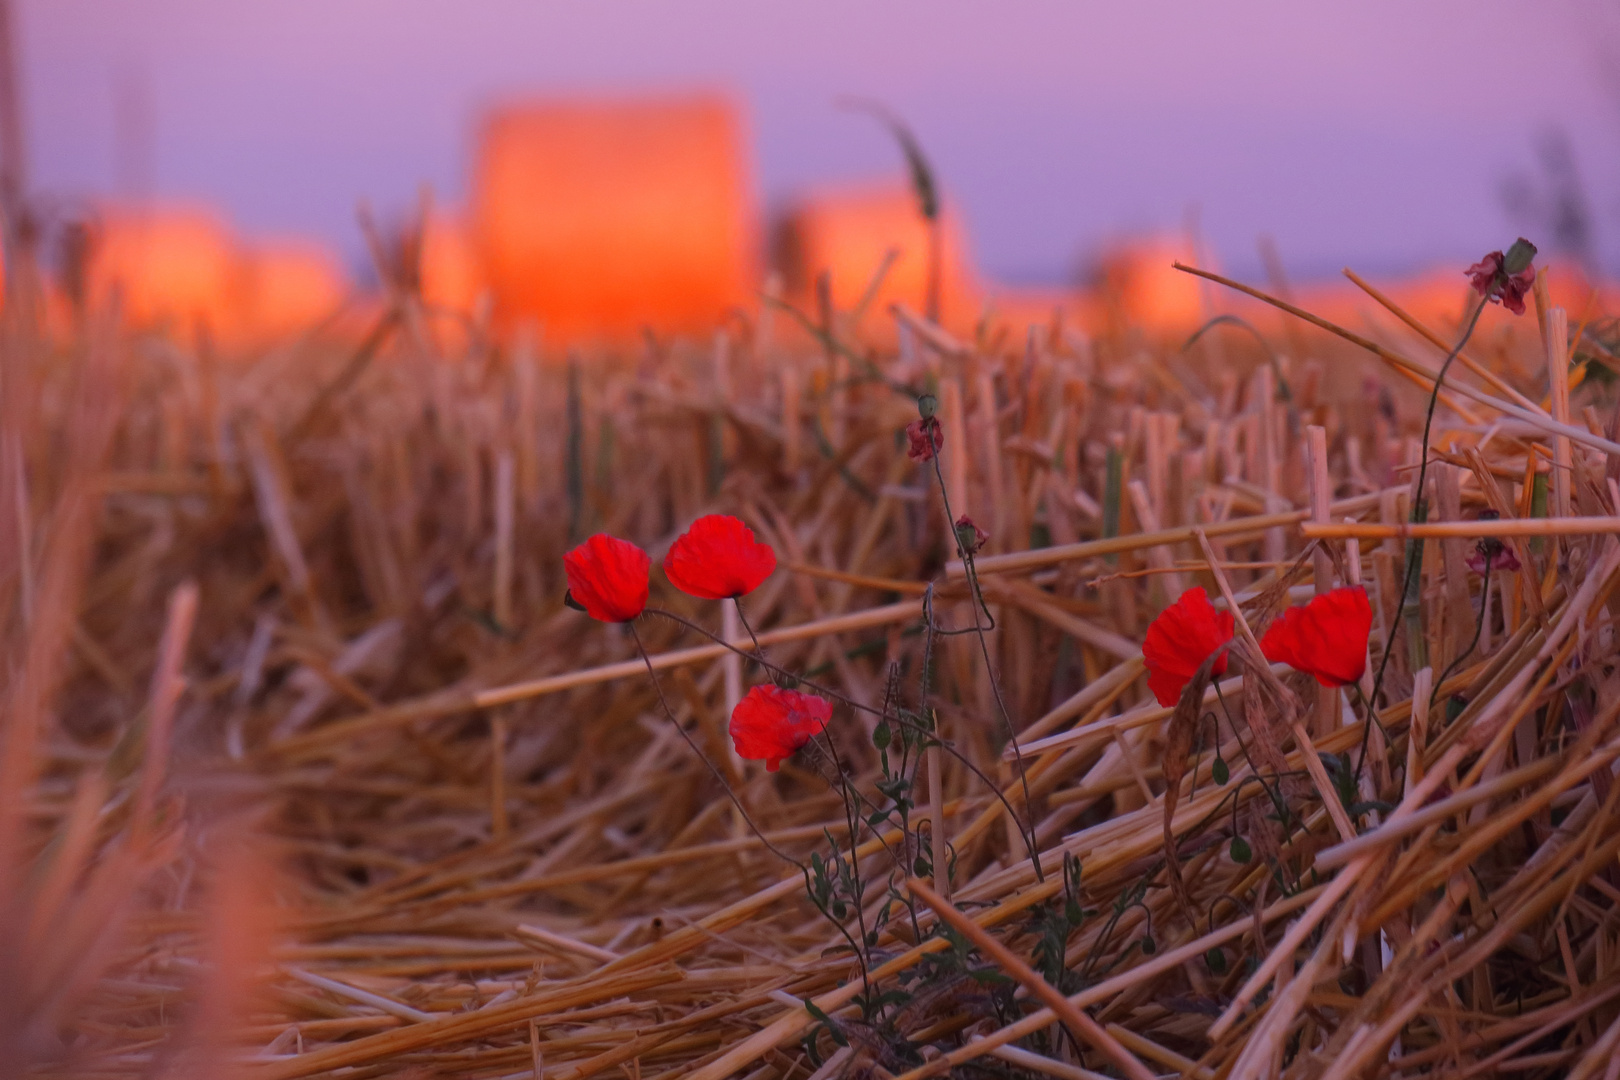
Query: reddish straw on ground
310	769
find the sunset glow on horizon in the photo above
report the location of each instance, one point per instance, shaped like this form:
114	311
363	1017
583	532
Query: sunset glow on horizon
1054	128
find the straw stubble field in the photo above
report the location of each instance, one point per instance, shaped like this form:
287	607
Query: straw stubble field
308	770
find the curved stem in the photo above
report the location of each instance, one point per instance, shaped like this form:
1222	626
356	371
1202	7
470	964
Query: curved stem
1479	629
1418	512
852	703
735	801
758	648
984	649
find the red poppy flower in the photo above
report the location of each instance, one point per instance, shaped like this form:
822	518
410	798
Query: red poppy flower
771	723
925	437
608	578
718	558
1180	640
1326	638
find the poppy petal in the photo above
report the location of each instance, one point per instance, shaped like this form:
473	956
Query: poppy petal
1326	638
1179	641
771	723
718	558
608	578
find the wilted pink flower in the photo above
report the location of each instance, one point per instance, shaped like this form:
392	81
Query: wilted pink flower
925	436
1482	275
969	537
1505	278
1493	551
1490	549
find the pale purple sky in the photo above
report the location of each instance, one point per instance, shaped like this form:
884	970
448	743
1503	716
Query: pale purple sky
1376	133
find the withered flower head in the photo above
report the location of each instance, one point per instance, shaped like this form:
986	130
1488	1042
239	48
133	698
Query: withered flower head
1505	279
969	537
1491	552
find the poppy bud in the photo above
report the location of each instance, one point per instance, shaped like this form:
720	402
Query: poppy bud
1518	257
927	405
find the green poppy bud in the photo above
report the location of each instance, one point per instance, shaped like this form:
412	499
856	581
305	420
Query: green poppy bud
1518	257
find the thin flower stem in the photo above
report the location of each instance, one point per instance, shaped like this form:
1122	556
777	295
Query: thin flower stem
1027	827
852	703
1275	796
732	795
742	618
1419	511
1479	629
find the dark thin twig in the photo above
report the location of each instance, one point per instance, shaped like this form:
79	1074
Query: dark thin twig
944	744
735	801
1479	629
1419	511
1027	825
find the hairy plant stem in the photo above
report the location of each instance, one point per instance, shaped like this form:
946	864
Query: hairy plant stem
894	717
978	629
860	957
1479	630
1419	512
663	702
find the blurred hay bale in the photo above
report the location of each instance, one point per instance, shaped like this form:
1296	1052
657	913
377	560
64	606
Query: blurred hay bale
171	264
288	286
850	231
599	217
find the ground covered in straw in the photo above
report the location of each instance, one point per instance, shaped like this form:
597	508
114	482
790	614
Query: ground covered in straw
310	771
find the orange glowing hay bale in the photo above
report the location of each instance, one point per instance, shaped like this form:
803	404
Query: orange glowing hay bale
1137	285
288	286
452	274
599	218
1441	300
1023	306
849	231
170	264
183	266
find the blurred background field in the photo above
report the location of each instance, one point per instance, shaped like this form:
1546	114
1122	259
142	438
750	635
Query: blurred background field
308	771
